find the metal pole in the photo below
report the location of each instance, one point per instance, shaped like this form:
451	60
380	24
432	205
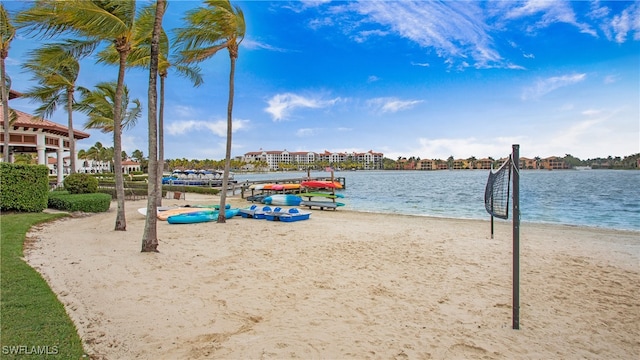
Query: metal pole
491	226
516	235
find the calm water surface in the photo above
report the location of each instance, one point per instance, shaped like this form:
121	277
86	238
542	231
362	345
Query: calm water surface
596	198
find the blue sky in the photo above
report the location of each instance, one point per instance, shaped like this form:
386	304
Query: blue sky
425	79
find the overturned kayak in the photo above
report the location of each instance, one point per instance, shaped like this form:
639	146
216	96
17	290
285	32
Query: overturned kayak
200	216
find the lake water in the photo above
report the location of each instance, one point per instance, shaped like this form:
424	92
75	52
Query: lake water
595	198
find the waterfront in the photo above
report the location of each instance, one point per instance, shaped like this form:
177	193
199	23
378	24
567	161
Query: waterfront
595	198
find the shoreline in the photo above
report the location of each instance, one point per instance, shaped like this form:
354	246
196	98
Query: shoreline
343	284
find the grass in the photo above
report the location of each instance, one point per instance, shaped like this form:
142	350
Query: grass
33	322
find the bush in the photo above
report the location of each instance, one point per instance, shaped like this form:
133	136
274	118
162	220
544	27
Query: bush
62	200
23	187
81	184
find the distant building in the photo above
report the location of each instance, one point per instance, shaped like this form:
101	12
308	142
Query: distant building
273	158
553	163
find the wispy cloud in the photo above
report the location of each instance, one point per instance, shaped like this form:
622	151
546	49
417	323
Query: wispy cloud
544	14
282	105
626	22
451	28
420	64
372	78
218	127
391	104
545	86
308	132
257	45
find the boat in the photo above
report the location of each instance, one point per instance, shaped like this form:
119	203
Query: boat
143	210
290	215
322	184
321	204
200	216
282	199
320	194
254	212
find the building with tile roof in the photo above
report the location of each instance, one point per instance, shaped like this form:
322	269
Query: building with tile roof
29	134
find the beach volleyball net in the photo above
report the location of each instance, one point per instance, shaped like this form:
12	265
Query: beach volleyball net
496	193
496	201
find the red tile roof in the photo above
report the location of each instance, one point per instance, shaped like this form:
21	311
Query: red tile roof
28	121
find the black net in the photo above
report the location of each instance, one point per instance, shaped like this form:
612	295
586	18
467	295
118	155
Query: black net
496	194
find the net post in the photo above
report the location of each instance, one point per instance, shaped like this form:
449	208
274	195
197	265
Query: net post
491	226
515	158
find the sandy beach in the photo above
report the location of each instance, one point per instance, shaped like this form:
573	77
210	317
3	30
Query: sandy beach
341	285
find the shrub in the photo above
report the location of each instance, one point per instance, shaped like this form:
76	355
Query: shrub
81	184
62	200
23	187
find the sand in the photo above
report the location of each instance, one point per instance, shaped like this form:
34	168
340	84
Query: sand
341	285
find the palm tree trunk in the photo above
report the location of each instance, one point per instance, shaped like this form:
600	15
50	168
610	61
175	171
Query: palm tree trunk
150	237
121	221
72	138
5	108
233	54
160	141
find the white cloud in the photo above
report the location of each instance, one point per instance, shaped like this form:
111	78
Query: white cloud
451	28
627	22
545	86
257	45
420	64
218	127
372	78
548	12
391	104
307	132
281	105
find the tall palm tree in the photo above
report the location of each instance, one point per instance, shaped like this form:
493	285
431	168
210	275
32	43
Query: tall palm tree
7	32
56	68
141	56
150	235
100	104
99	21
210	29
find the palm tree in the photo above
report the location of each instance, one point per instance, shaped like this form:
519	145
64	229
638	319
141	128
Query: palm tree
56	68
100	104
210	29
7	32
150	236
140	57
96	20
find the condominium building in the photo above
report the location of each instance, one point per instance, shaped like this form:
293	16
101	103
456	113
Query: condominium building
369	160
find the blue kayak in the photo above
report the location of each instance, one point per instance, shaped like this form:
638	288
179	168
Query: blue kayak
200	216
283	199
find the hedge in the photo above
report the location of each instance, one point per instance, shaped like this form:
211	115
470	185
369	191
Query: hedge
23	187
62	200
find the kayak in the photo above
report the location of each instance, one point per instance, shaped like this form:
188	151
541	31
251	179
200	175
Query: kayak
200	216
282	199
320	184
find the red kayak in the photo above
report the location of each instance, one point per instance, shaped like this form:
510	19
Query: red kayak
318	184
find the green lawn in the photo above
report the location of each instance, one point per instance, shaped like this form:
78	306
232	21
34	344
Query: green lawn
33	322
